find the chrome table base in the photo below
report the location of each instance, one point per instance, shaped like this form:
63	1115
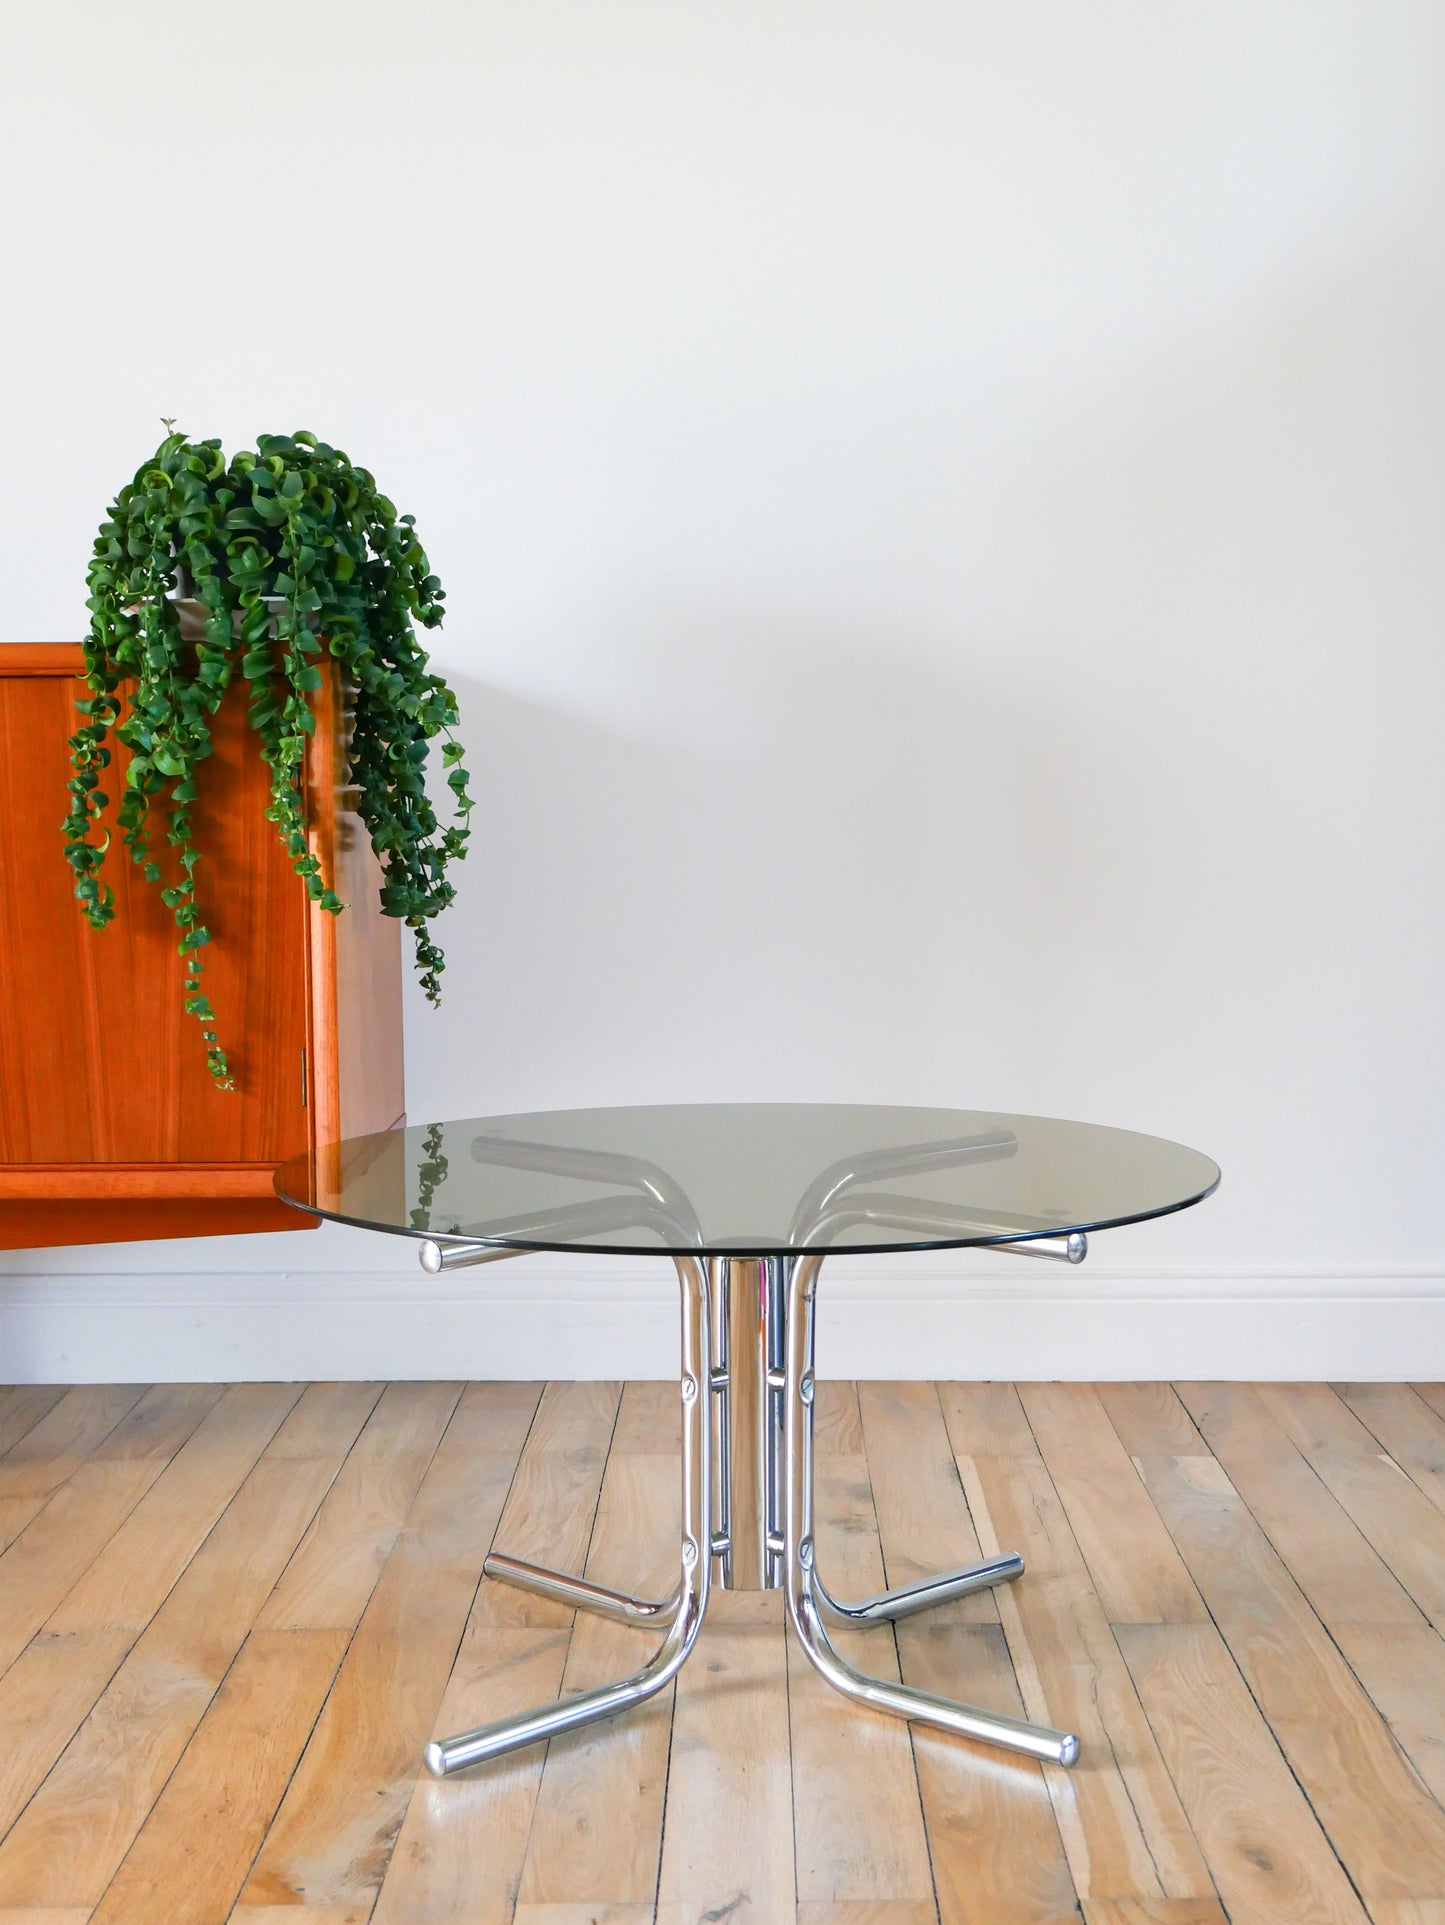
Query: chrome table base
747	1523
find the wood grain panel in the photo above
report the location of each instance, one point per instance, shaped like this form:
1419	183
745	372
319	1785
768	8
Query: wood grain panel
1395	1515
44	1697
1118	1812
1387	1830
21	1408
143	1181
144	1763
596	1833
923	1517
1345	1580
80	1523
101	1064
328	1581
193	1851
110	1127
1270	1859
462	1845
52	1450
1135	1565
859	1833
75	1832
31	1225
128	1582
730	1755
997	1855
334	1833
1403	1669
1407	1427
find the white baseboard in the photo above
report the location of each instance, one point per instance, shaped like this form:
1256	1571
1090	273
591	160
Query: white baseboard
886	1318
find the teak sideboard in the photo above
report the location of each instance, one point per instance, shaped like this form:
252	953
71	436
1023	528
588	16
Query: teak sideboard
110	1126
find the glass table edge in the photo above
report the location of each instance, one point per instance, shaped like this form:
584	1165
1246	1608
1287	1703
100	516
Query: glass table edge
752	1252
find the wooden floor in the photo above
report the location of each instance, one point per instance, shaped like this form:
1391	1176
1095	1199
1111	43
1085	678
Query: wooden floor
230	1618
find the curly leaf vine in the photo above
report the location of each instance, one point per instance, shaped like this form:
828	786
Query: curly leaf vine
275	556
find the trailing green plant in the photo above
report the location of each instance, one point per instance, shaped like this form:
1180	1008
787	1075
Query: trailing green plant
282	554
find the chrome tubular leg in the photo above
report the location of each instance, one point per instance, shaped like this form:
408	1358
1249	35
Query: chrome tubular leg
579	1592
928	1591
722	1405
965	1721
585	1707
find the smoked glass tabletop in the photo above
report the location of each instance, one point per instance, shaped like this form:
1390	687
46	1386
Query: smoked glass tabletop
747	1179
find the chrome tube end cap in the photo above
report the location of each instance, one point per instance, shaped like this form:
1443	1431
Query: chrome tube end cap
1068	1751
1077	1249
436	1759
429	1255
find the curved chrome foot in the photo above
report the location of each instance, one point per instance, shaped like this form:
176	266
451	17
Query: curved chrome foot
924	1707
584	1707
686	1610
903	1601
580	1593
805	1594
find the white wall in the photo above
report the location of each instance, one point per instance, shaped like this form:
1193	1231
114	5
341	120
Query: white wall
941	506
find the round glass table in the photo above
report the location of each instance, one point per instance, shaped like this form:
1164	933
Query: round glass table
747	1200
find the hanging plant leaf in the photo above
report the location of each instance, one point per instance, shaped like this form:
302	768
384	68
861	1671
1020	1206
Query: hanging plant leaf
287	550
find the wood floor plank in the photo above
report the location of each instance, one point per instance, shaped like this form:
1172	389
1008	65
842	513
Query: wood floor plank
634	1914
294	1915
1403	1669
1154	1911
459	1856
1136	1568
856	1911
334	1571
986	1420
552	1502
1405	1426
837	1420
188	1862
596	1836
21	1408
994	1840
333	1836
1399	1520
79	1522
128	1582
70	1840
996	1851
1433	1395
1386	1829
44	1915
858	1821
44	1697
1118	1812
730	1755
923	1517
1345	1580
649	1420
1270	1859
50	1451
161	1767
1151	1421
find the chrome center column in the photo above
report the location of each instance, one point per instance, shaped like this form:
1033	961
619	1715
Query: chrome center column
749	1313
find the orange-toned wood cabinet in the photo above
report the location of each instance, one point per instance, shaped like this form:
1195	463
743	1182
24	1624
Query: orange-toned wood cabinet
110	1125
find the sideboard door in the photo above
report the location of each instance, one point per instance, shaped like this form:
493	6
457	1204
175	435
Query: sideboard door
110	1124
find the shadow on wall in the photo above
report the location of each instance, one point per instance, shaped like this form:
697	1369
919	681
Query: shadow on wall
814	865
